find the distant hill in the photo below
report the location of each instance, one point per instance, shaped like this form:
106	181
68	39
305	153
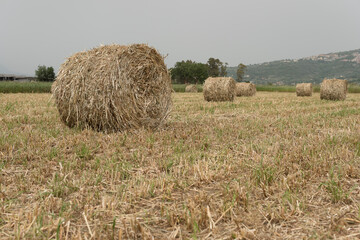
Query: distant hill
344	65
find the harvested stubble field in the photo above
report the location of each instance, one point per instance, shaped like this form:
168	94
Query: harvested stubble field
269	167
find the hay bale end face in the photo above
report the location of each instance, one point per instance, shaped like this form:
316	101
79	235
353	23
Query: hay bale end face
333	89
219	89
304	89
245	89
191	88
113	88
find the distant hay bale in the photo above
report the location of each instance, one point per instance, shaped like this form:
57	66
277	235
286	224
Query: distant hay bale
333	89
113	88
191	88
219	89
304	89
245	89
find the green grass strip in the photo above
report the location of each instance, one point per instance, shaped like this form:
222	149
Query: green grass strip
45	87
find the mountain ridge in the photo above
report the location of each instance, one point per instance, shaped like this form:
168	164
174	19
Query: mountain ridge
343	65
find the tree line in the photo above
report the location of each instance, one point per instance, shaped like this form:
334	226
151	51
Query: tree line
183	72
45	74
193	72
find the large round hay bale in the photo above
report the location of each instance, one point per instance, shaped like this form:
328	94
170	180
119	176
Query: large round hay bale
333	89
113	88
219	89
245	89
191	88
304	89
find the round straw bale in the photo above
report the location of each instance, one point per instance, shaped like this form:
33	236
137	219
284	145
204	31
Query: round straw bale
113	88
304	89
245	89
191	88
219	89
333	89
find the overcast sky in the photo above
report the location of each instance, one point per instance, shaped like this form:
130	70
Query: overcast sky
45	32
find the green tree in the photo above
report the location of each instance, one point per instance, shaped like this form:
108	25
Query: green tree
200	72
45	74
189	72
240	72
223	70
50	73
214	67
181	72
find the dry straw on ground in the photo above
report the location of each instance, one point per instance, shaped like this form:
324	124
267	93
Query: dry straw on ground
245	89
219	89
113	88
191	88
304	89
271	167
333	89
